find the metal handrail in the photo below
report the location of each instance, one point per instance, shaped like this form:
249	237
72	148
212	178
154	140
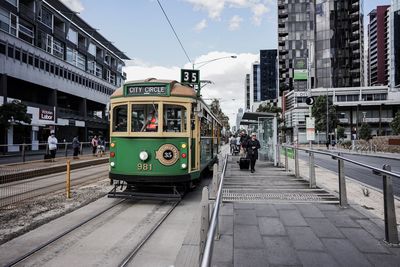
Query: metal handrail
391	233
376	170
206	260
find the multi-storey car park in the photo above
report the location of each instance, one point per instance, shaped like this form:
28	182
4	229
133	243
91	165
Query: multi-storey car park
60	67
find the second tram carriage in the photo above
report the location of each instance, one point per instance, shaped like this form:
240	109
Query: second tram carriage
161	133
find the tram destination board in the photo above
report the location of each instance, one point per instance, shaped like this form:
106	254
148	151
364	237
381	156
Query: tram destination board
141	90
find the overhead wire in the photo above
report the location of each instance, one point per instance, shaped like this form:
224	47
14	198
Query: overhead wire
172	27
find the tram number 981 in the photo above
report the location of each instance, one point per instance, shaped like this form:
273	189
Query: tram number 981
144	167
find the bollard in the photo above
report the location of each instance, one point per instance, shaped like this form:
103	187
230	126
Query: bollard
286	160
213	193
68	178
204	221
278	152
342	183
23	152
66	150
313	183
391	234
296	163
81	150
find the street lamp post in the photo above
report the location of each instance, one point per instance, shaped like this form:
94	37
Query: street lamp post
209	61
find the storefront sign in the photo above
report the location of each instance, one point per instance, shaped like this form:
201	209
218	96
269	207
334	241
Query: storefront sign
310	126
45	114
138	90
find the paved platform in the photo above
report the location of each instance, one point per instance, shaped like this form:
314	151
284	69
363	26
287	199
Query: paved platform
307	229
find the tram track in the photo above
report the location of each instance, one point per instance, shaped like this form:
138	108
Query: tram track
155	213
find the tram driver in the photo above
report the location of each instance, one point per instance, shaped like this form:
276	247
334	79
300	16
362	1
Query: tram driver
151	124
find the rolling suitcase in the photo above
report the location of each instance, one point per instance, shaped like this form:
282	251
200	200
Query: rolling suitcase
244	163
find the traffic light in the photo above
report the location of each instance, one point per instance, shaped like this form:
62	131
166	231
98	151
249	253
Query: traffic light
310	100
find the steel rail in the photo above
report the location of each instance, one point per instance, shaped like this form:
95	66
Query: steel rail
35	250
376	170
206	260
132	254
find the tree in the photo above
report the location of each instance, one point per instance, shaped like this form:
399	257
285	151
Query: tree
395	124
216	109
365	131
318	111
11	113
340	132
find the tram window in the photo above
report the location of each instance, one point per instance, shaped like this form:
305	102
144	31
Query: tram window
174	118
120	118
144	118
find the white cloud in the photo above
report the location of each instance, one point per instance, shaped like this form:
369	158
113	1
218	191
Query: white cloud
227	75
234	23
201	25
215	8
74	5
258	11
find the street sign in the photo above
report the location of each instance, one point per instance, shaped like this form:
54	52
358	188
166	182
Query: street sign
310	128
310	101
190	76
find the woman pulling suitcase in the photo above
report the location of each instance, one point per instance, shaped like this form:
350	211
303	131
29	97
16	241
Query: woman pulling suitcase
252	147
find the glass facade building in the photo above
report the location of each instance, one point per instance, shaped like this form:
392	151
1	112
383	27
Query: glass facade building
247	97
256	83
268	73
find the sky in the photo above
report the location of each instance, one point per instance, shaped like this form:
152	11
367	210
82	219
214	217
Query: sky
208	29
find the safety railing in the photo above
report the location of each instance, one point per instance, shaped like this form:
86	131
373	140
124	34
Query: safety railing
27	152
209	227
391	233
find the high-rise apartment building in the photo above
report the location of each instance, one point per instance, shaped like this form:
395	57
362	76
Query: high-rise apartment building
296	30
255	83
247	97
339	43
268	74
394	53
378	46
60	67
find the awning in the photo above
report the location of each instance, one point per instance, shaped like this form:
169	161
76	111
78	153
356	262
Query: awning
252	117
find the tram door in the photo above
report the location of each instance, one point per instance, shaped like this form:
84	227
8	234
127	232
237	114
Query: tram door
195	141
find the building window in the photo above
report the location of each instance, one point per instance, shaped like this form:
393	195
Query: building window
81	61
92	49
99	70
72	36
58	49
91	66
13	2
25	32
13	25
4	20
46	17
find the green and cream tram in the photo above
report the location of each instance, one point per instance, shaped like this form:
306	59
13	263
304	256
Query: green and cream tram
161	133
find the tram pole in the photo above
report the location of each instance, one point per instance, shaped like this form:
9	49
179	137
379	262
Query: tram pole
68	179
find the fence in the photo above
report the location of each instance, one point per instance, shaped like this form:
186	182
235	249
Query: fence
26	152
391	233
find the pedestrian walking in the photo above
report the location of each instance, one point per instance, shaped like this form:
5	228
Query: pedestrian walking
52	143
76	145
252	146
101	146
95	143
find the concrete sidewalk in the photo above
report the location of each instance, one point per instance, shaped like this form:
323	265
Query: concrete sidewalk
277	230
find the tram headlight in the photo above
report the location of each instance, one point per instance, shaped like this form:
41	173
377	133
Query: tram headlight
112	164
183	145
112	144
143	155
183	166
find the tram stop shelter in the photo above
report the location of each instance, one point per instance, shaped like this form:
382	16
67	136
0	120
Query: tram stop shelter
266	126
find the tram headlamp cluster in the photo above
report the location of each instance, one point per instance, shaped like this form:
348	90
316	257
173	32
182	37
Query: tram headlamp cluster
112	164
143	155
183	166
112	144
183	145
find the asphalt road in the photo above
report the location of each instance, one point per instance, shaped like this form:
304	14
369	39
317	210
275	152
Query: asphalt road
357	172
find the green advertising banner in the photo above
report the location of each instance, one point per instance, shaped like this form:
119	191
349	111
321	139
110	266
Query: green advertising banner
300	75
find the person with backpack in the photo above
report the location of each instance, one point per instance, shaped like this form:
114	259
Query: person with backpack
76	147
94	143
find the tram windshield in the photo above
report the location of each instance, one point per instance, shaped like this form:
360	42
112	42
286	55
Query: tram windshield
174	118
120	118
144	118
